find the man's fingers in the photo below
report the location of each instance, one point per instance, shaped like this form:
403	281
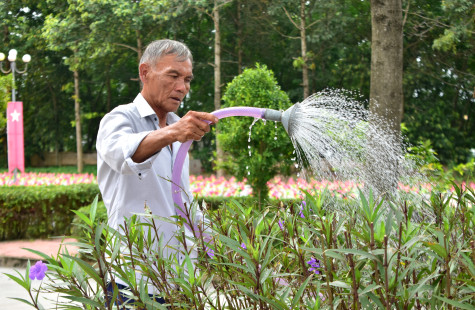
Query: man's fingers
194	125
207	117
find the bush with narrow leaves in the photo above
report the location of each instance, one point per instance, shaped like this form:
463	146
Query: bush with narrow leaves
326	253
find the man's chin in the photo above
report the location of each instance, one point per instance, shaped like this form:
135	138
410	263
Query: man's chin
173	106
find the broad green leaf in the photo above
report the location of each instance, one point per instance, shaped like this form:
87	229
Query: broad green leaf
437	248
84	300
457	304
300	291
340	284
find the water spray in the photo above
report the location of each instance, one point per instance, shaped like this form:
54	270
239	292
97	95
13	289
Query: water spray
336	137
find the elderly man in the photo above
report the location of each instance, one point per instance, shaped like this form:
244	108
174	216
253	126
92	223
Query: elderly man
137	142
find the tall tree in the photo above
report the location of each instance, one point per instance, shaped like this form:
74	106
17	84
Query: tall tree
67	31
302	25
386	96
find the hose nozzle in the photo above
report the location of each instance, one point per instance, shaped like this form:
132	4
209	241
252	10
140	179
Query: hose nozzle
286	117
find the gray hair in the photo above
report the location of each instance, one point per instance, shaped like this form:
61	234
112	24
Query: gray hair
160	48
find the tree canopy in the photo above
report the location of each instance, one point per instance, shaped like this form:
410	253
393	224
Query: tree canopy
103	40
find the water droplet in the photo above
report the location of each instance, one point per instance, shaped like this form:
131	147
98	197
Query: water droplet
275	138
249	153
248	173
249	147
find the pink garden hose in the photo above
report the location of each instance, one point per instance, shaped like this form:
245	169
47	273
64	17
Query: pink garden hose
285	117
181	155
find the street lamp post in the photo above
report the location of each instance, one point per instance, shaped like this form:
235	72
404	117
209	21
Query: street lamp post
16	155
12	54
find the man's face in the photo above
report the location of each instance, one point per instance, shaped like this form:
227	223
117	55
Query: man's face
167	83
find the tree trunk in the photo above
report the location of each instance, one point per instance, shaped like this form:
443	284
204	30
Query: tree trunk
139	53
139	45
56	122
386	94
217	80
109	90
77	114
303	41
239	36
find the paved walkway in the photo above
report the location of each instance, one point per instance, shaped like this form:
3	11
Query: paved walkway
13	253
13	259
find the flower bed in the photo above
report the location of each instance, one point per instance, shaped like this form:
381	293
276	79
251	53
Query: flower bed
213	186
38	179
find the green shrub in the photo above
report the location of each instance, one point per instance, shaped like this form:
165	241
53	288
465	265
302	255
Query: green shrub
41	211
270	145
362	254
100	216
213	203
210	203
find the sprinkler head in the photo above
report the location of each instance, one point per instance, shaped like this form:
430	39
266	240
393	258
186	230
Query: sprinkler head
285	117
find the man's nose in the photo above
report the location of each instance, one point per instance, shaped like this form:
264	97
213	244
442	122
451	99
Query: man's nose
181	86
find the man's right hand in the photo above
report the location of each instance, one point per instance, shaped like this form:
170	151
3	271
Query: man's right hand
193	126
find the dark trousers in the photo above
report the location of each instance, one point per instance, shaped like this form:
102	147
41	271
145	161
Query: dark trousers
122	298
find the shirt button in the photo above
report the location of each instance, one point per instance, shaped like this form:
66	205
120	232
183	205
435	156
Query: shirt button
140	174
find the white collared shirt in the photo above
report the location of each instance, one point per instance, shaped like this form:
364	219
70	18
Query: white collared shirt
126	186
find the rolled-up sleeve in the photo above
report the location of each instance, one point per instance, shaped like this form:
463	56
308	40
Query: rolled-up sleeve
117	141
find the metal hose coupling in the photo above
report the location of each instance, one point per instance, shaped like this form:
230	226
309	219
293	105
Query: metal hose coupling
286	117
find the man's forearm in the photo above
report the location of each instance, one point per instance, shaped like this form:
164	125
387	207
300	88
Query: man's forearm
152	144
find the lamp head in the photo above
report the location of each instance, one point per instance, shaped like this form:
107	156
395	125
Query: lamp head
2	56
12	54
26	58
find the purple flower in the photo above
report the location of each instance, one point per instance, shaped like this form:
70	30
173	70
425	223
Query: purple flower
243	245
303	205
321	296
210	252
38	270
281	224
314	263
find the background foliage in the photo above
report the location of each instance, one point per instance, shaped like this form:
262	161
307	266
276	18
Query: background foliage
103	40
41	212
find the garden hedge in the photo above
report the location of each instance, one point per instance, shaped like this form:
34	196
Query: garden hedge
28	212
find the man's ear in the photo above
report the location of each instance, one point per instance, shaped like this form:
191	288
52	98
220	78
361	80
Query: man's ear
144	70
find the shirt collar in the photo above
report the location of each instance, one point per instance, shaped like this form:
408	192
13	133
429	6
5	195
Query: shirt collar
145	110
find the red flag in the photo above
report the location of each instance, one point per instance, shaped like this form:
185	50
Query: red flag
16	155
